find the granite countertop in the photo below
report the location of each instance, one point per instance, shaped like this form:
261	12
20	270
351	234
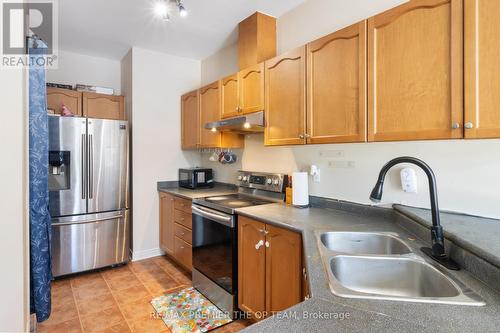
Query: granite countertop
481	236
325	312
218	189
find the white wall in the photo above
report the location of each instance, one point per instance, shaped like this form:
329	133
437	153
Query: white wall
466	170
78	68
14	251
221	64
157	82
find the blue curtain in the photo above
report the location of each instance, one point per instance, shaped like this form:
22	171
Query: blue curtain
40	227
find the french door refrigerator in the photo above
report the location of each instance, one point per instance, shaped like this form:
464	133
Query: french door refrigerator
88	193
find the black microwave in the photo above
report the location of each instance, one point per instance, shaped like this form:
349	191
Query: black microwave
194	178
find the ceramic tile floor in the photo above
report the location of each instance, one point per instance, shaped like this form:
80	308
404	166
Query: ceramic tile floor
117	299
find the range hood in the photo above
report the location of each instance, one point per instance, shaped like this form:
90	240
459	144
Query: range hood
250	123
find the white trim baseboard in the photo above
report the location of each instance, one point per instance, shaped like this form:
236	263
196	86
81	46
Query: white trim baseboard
145	254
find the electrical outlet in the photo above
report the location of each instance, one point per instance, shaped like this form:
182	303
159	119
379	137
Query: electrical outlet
341	164
331	153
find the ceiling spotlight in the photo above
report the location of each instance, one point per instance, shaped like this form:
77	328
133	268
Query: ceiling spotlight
161	9
166	17
182	10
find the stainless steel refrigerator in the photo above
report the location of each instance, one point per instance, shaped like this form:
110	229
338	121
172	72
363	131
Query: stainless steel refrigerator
88	193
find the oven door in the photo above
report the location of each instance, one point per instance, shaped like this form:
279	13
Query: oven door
214	246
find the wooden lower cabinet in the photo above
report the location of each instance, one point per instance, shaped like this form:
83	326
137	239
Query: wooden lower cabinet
269	268
251	266
183	253
283	268
176	229
167	222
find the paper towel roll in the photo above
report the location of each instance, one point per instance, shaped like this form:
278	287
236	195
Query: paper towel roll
300	189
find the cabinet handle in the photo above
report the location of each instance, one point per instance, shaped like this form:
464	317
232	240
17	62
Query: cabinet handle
301	136
455	125
307	135
259	244
262	231
267	244
468	125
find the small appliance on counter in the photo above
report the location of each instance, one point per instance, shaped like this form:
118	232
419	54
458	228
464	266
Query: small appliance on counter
194	178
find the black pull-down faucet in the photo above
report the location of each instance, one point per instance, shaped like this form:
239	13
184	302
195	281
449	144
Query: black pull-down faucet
437	252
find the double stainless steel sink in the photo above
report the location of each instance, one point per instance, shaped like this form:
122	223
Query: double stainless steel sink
382	266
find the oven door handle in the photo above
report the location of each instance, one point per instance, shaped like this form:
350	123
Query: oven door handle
213	215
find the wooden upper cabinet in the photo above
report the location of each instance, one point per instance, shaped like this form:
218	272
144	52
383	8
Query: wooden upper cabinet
167	222
229	96
336	87
103	106
285	96
482	70
251	266
209	112
415	76
283	268
251	89
190	121
56	97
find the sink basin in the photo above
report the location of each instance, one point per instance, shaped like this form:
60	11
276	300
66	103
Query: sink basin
403	277
363	243
395	278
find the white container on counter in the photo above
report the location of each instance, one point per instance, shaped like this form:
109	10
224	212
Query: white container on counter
300	188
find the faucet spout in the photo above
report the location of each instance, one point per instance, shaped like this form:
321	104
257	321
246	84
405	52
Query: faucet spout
437	250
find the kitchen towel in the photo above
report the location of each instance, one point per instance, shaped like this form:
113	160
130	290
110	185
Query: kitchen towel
300	188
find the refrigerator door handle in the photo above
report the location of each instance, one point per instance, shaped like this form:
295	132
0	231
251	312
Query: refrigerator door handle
88	221
84	180
91	166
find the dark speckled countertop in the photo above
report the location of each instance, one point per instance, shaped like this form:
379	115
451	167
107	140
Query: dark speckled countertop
325	312
218	189
473	241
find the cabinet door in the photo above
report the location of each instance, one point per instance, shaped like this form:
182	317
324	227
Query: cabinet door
183	253
251	266
209	112
229	96
283	269
285	94
56	97
415	80
251	89
103	106
167	223
190	122
336	87
482	70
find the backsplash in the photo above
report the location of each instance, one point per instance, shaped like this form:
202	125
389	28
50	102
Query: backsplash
349	171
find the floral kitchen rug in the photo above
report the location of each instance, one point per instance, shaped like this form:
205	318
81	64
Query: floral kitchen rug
189	311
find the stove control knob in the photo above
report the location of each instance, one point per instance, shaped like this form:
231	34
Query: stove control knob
240	178
269	181
244	178
276	182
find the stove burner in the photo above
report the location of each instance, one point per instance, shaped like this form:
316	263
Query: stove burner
217	198
236	201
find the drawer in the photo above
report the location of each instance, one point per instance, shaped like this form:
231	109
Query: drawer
183	233
182	204
183	253
183	218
